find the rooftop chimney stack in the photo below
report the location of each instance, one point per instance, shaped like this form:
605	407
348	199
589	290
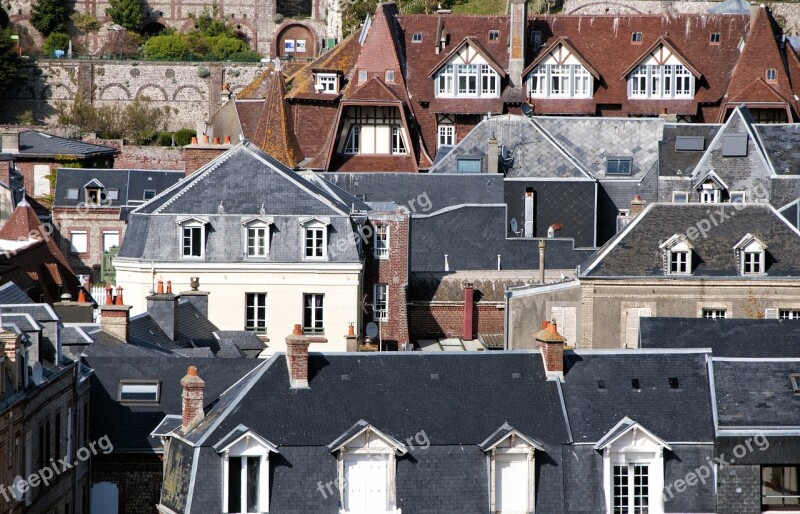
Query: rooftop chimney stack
469	295
115	316
551	344
192	399
493	155
516	61
10	141
196	297
297	358
163	309
637	206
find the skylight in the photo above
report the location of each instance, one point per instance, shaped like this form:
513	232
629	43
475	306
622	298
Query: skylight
618	166
673	383
795	379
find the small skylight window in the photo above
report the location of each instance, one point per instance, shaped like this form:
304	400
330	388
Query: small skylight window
673	383
618	166
636	37
416	37
636	384
149	194
494	35
795	379
112	194
690	143
714	39
139	391
72	193
601	385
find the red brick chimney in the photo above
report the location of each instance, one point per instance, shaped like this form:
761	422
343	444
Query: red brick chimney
469	295
552	345
197	155
637	206
192	405
297	358
115	315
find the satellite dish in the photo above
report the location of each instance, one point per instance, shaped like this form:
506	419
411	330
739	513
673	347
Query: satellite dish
527	110
16	489
36	372
514	225
372	329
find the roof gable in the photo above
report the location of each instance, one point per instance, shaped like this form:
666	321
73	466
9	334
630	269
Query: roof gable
361	434
465	44
374	91
563	42
506	432
662	49
627	426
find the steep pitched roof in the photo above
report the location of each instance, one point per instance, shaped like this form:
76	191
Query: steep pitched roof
275	133
471	42
23	224
570	46
342	57
665	42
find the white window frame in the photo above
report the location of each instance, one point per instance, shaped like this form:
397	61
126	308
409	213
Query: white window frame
661	82
680	197
416	37
313	328
381	251
575	81
445	80
73	247
467	78
191	227
106	247
317	233
446	135
709	195
260	302
754	260
738	196
251	234
714	313
73	193
389	76
462	80
380	301
328	81
398	140
680	262
148	386
635	447
566	318
247	445
353	144
791	314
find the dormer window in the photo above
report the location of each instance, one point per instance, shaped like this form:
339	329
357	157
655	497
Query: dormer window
193	235
416	37
771	75
316	238
467	79
494	35
245	471
714	38
677	253
752	253
512	469
256	232
636	38
560	73
327	83
95	193
660	82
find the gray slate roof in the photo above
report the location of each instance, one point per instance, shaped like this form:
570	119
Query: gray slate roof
634	252
730	337
194	330
130	184
672	162
33	143
782	143
10	293
658	408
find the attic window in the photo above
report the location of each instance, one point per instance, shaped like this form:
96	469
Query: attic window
72	194
714	39
636	384
362	76
618	166
469	166
636	37
327	83
113	194
673	383
139	391
389	76
536	39
416	37
680	197
795	379
494	35
149	194
772	73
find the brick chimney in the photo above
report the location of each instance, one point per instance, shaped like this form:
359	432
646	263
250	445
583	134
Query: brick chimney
516	61
469	295
10	141
493	155
6	165
637	206
163	309
197	155
552	345
196	297
297	358
192	399
115	316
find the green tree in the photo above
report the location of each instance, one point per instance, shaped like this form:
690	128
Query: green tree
50	16
86	22
208	23
9	62
127	13
55	41
172	47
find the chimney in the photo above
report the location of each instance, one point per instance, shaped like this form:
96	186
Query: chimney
192	404
516	61
74	312
542	245
197	155
493	155
163	309
197	298
10	141
9	343
115	316
297	358
552	345
637	206
469	294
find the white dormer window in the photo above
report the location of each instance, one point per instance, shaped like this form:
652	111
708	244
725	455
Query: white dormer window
752	254
709	195
473	79
661	77
316	238
245	472
512	470
95	193
560	81
193	237
677	253
256	236
327	83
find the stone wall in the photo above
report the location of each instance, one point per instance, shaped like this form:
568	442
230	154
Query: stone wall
193	91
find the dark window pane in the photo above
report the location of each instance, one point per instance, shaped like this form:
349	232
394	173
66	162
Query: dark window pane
235	484
252	483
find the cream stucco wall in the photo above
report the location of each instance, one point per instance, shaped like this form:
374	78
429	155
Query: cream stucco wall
284	285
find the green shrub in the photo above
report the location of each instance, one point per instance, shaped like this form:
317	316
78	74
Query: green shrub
167	48
164	139
56	41
184	137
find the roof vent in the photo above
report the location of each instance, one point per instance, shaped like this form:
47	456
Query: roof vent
673	383
516	375
345	377
601	385
636	384
434	376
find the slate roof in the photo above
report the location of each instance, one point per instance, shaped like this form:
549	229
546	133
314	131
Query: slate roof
672	162
782	145
730	337
130	184
128	426
634	252
755	393
656	406
10	293
36	144
242	339
473	235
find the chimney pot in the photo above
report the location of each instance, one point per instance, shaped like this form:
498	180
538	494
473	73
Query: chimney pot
298	330
109	296
160	287
192	399
81	296
194	140
118	298
216	140
227	140
205	139
169	286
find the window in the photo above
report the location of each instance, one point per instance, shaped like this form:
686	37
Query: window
257	240
679	262
714	39
464	80
79	241
690	143
446	135
72	193
715	313
636	37
416	37
664	81
680	197
560	80
243	484
445	80
113	194
488	81
494	35
362	76
381	242
753	262
353	140
536	39
256	312
467	79
95	195
192	241
468	166
631	489
631	318
380	297
565	318
138	392
313	322
734	145
789	314
511	482
149	194
398	144
618	166
327	83
245	474
316	245
674	383
772	73
110	240
389	76
779	487
709	196
737	196
365	481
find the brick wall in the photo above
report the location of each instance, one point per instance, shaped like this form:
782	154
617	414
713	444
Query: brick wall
138	478
143	157
197	156
94	221
428	320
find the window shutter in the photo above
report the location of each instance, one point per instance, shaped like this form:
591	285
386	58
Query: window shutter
771	314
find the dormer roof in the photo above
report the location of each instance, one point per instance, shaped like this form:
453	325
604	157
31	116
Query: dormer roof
663	42
473	43
625	426
566	43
